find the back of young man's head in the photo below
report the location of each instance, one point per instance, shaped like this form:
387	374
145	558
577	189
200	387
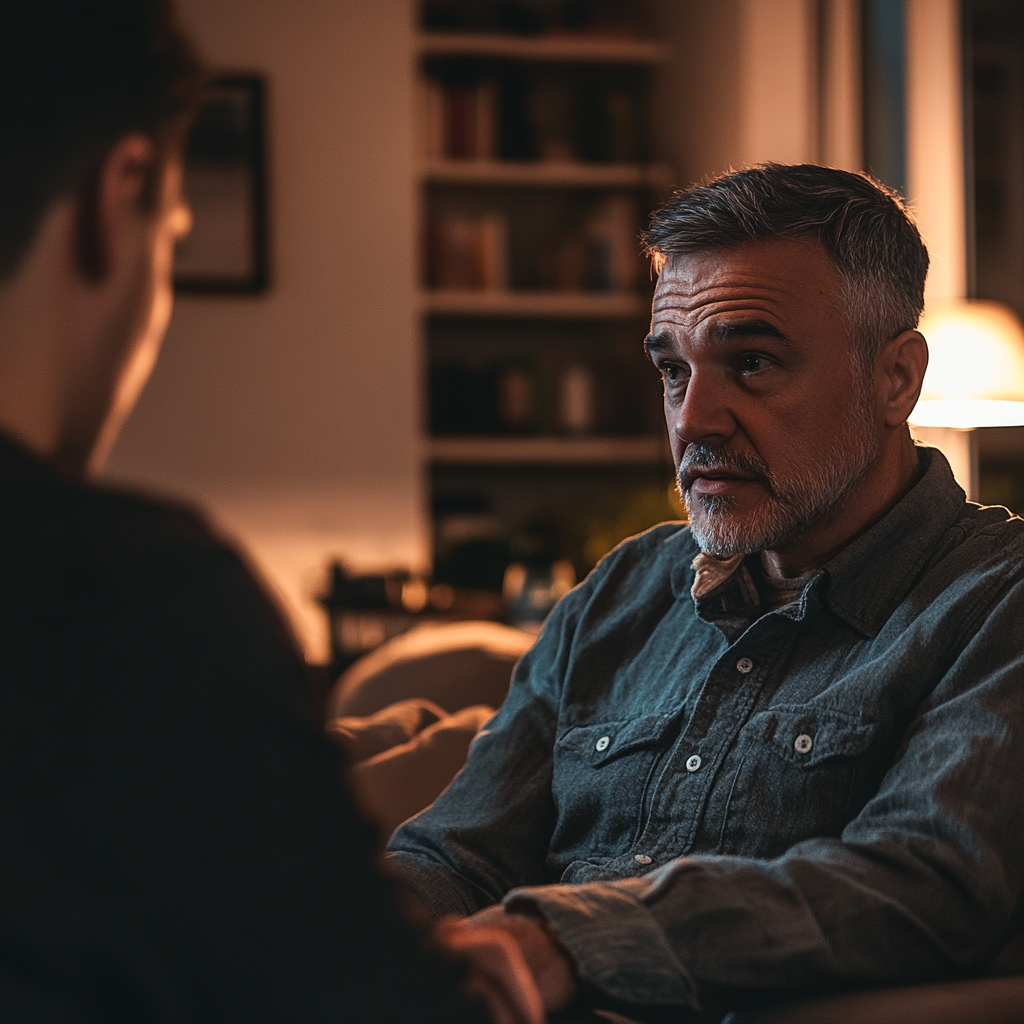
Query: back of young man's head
75	77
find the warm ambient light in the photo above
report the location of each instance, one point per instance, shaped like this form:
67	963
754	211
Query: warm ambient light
975	378
975	372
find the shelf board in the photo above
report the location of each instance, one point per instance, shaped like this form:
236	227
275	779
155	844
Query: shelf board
583	305
596	451
561	173
595	49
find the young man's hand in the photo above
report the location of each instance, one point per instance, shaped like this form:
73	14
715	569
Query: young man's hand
499	973
548	961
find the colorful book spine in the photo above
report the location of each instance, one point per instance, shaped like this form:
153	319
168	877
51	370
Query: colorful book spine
458	122
468	252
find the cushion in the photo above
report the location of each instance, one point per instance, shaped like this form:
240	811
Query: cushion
400	782
363	738
454	664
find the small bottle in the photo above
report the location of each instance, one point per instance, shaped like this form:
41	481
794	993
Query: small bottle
517	399
576	412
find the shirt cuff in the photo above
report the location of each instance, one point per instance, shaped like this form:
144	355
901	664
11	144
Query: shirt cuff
620	951
438	896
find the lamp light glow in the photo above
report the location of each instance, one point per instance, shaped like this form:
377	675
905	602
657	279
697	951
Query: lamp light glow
975	378
975	372
967	413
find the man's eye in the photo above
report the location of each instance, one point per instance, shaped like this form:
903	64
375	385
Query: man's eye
672	373
751	362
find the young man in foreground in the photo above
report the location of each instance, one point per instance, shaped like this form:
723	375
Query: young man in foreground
175	841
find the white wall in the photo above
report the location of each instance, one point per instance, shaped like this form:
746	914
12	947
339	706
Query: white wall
755	80
295	416
743	83
697	92
778	75
935	141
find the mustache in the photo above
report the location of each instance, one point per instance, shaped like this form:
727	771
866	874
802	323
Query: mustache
717	458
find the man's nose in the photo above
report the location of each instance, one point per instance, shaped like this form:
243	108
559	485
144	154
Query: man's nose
704	413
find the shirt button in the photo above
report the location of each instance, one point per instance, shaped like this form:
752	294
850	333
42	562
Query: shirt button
744	665
803	743
693	762
641	858
602	744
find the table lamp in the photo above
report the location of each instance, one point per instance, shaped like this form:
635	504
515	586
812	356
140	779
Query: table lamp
975	379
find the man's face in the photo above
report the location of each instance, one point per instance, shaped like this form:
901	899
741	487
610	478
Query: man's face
770	424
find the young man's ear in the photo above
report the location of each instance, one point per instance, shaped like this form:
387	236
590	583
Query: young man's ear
902	364
111	193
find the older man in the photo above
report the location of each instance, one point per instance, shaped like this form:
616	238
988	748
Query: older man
778	750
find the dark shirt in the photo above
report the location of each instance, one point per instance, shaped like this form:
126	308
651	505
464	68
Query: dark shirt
748	804
175	841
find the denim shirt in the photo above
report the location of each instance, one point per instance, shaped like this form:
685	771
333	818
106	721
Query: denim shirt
749	806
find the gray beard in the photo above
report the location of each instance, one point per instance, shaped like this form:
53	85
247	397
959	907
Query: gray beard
793	506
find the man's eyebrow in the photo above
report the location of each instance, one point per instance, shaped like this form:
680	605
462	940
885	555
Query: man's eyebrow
726	330
655	343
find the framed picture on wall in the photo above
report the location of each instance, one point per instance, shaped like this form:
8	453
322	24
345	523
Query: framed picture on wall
226	251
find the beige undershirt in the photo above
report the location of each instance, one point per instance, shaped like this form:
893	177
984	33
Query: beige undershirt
778	590
781	590
711	571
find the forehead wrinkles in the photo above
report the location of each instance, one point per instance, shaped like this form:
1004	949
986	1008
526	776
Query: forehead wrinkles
690	303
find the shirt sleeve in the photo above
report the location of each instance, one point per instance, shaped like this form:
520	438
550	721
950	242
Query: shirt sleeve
924	884
477	841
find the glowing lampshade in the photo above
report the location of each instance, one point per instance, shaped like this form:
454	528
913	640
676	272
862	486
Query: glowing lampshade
975	372
975	378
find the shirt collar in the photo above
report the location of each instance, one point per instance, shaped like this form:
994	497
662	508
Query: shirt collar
865	582
724	593
869	578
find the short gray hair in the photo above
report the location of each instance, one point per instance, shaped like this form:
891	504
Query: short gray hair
865	228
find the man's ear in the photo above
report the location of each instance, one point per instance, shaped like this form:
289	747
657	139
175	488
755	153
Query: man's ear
107	198
900	369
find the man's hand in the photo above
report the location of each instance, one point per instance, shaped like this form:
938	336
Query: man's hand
546	958
499	974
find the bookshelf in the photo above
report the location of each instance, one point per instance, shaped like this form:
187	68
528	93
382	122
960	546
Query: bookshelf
560	48
523	303
549	451
535	177
549	174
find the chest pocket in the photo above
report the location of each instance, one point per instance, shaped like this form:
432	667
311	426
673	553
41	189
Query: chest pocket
601	771
806	739
599	744
797	778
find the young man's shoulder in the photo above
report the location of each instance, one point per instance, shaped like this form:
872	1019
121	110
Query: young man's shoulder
46	514
94	575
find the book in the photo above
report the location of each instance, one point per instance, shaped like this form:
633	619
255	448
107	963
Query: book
612	245
431	119
576	399
493	251
468	251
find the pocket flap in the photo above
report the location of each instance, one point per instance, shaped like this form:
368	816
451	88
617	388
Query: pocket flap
805	736
606	740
